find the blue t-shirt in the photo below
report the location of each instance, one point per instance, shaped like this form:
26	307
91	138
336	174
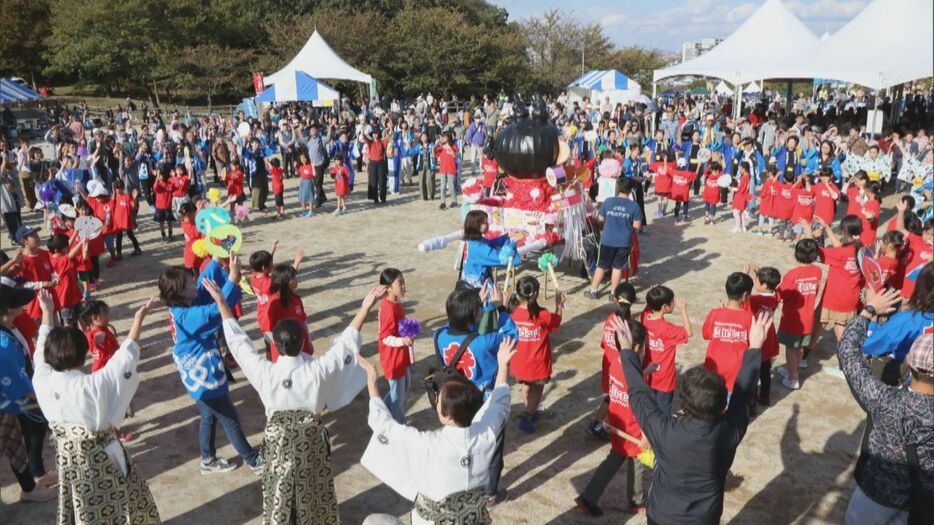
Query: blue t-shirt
479	362
620	214
14	381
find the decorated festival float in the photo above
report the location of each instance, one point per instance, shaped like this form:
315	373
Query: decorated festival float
536	193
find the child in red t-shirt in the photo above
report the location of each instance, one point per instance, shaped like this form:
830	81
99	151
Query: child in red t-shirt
261	265
798	293
125	207
680	191
531	365
341	176
711	192
826	196
765	301
784	206
102	342
741	198
284	303
727	330
395	352
803	209
624	296
840	300
278	189
235	179
919	246
889	255
662	341
446	152
163	188
662	176
626	437
490	169
869	214
96	247
190	231
853	190
67	292
181	183
767	196
36	271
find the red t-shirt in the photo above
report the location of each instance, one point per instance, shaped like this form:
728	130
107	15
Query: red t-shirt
798	291
447	161
490	169
532	361
870	226
712	188
163	191
101	353
395	360
681	184
766	303
104	210
35	268
306	171
918	253
662	171
261	283
67	291
607	344
661	343
844	280
235	183
727	331
123	212
825	201
82	263
784	203
853	205
803	205
180	185
294	310
767	198
192	234
742	196
620	413
29	329
276	175
891	275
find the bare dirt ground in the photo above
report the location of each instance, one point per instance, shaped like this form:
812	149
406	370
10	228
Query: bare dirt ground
794	466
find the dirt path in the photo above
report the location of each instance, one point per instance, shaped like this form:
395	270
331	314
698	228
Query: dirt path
795	464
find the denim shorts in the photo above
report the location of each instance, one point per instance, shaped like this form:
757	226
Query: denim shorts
306	191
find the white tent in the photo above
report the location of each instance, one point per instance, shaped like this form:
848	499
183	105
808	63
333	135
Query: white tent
771	34
318	60
752	88
723	89
602	84
906	53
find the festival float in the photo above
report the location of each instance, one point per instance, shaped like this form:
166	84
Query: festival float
536	195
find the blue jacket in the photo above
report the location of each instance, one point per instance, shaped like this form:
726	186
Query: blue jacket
479	362
814	166
484	255
14	381
896	336
422	153
196	355
653	145
730	152
780	154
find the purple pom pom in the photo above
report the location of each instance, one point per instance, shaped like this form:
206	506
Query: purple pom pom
409	327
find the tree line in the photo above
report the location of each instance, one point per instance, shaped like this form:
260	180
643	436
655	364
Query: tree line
205	50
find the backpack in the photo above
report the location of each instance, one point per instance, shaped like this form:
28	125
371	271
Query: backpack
436	377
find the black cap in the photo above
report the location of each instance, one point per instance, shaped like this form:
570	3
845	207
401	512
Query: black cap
15	297
22	232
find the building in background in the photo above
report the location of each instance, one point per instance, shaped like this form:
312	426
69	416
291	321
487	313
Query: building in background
691	50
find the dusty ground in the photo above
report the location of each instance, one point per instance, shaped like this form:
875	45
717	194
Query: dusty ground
795	464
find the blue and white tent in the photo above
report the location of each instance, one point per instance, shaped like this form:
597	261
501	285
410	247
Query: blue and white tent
298	87
15	92
602	81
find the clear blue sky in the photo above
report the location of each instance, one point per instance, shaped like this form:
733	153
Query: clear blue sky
665	24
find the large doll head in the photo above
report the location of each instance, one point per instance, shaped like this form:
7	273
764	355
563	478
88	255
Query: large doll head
528	146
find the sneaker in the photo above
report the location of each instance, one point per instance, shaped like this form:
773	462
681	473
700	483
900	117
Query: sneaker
335	213
443	206
587	507
597	430
590	294
217	465
526	424
49	479
782	371
259	466
39	493
496	499
309	214
793	385
136	252
111	263
92	286
658	214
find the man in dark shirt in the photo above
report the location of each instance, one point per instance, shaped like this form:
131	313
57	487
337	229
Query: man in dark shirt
694	449
620	215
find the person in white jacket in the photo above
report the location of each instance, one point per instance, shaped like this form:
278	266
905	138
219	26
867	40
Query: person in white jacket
97	481
444	472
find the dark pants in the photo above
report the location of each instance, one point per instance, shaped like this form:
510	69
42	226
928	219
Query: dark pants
320	197
222	409
635	471
25	479
496	465
146	189
765	379
378	173
697	183
663	399
640	199
96	268
678	205
426	183
34	435
288	159
129	233
13	221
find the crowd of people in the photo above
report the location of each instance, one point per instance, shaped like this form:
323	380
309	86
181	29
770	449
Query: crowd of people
785	174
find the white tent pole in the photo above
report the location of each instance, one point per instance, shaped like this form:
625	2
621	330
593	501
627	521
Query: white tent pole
737	100
655	104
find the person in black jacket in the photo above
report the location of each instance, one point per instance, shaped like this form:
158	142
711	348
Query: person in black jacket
695	448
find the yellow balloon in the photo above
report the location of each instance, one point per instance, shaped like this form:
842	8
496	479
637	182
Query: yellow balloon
198	248
214	195
230	239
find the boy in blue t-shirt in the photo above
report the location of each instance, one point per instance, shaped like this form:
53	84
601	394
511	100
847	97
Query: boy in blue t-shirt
620	215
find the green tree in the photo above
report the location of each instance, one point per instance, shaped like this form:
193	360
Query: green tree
210	69
559	45
23	28
638	63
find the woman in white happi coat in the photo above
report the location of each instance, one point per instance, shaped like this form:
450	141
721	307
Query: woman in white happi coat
298	484
98	484
444	472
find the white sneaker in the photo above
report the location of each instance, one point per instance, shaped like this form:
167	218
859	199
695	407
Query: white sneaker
40	493
218	465
782	371
793	385
734	230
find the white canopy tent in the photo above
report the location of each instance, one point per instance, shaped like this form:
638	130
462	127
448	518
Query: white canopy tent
723	89
318	60
752	89
602	84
